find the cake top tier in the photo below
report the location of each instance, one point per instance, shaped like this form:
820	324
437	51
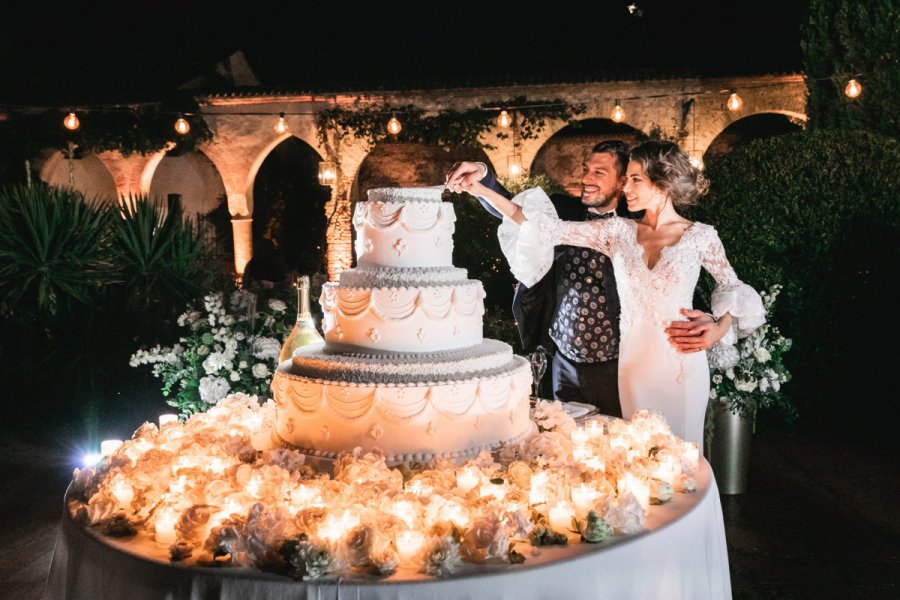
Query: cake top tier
410	194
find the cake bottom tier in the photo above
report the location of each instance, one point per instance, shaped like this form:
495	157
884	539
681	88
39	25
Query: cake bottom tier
408	422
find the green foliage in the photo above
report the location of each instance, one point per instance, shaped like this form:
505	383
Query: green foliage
844	39
53	249
528	181
161	256
447	128
818	213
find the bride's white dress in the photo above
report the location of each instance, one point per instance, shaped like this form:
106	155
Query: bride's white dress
652	374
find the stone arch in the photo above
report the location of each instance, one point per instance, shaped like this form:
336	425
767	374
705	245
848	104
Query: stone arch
191	177
91	176
759	125
288	205
408	165
561	155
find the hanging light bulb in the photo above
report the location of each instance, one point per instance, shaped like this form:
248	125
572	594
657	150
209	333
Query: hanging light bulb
696	162
618	113
504	120
281	125
853	89
734	102
514	166
182	126
71	122
394	126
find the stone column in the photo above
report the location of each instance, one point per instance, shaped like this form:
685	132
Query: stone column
242	229
338	234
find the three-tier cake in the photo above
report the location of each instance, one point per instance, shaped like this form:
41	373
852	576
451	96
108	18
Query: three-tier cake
404	366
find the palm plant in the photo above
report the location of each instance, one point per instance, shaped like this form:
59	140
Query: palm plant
53	249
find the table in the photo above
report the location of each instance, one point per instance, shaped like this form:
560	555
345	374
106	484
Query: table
681	555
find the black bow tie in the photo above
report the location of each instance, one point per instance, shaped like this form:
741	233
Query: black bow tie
590	215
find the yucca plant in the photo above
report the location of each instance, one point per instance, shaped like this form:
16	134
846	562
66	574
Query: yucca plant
162	258
53	249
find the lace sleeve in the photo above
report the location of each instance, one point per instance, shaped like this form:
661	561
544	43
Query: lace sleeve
529	247
731	295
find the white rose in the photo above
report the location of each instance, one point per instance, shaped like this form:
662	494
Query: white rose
712	394
203	350
242	364
240	335
213	389
729	373
227	320
717	379
762	355
776	384
745	386
260	371
235	376
266	348
763	385
277	305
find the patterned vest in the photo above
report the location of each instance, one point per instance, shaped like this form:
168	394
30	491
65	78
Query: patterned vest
583	328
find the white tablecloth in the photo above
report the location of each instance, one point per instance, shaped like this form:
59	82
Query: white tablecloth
682	555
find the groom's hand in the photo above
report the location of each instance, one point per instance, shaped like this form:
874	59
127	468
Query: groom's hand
699	332
464	175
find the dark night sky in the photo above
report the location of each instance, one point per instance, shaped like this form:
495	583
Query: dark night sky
85	59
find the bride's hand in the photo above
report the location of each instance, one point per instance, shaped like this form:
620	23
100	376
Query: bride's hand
700	332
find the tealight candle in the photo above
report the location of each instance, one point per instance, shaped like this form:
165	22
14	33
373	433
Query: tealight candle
629	483
580	437
583	498
409	543
596	463
404	511
108	447
334	527
667	470
167	419
538	493
561	516
418	488
692	454
581	452
123	492
594	429
468	478
164	528
497	490
252	486
302	496
455	514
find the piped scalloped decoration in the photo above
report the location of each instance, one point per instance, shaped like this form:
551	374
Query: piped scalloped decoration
305	395
374	335
410	215
376	431
279	386
350	402
454	400
466	300
399	247
494	394
403	403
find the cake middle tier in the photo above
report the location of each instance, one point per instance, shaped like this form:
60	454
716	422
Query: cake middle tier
397	310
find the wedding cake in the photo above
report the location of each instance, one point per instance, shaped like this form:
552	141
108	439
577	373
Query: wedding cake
404	367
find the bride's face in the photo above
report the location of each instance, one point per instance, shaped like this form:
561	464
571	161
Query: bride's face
640	192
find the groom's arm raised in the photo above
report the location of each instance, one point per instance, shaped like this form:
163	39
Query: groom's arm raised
465	174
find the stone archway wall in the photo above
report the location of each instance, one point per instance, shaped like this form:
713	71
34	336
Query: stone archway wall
242	125
90	176
193	177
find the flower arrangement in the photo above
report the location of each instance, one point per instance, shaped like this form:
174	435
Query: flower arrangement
231	346
748	376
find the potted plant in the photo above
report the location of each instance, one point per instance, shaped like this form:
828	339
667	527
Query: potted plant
746	378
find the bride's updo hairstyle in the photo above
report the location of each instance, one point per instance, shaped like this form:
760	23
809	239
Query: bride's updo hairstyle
670	169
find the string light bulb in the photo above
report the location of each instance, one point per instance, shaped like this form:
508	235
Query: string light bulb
394	127
182	126
735	102
504	120
696	162
514	166
281	125
71	122
618	113
853	89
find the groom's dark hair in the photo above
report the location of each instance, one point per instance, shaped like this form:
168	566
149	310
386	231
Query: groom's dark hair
618	149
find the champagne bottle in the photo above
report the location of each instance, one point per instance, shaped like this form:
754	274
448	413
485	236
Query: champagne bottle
304	331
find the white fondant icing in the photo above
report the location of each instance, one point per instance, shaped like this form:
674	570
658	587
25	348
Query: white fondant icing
418	194
401	234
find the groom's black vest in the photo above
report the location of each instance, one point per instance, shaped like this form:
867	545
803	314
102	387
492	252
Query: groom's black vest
575	306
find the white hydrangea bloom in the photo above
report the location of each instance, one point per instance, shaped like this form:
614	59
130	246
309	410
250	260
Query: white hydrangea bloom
266	348
213	389
277	305
260	371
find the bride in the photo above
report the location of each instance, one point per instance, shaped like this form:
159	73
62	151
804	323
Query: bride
657	262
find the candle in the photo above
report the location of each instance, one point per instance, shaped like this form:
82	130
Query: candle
468	478
409	543
617	441
456	514
165	526
167	419
580	437
596	463
108	447
692	454
583	498
334	527
418	488
594	429
123	492
302	496
252	486
404	511
637	487
538	493
497	490
582	452
668	469
561	516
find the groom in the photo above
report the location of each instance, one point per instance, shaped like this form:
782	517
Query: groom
575	307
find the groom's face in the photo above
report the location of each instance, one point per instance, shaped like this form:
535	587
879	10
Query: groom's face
601	185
